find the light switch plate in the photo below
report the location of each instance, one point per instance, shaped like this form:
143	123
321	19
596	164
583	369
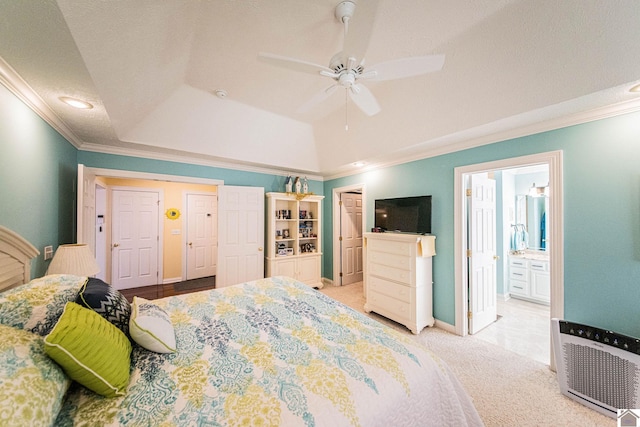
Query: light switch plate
48	252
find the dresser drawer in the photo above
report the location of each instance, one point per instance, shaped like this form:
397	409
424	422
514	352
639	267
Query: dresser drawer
390	247
391	273
519	287
390	260
539	265
397	310
518	262
516	273
390	289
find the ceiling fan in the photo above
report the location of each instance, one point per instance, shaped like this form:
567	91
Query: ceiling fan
347	68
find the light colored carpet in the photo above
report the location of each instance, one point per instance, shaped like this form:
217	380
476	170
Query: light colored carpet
507	389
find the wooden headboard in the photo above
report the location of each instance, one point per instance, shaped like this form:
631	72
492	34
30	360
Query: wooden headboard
15	259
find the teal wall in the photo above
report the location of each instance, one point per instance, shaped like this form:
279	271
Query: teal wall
230	176
601	215
601	188
37	178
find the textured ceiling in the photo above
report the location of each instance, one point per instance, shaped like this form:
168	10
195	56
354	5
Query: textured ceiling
150	69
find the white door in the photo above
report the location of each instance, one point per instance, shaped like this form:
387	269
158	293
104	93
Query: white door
351	237
86	208
202	235
240	234
135	238
482	259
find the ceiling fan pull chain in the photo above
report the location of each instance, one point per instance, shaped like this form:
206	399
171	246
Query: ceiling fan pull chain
346	111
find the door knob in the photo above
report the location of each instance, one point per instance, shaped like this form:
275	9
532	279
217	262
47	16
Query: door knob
190	244
496	257
260	249
115	245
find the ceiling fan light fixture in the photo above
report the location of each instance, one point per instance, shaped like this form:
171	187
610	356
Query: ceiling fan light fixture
635	89
76	103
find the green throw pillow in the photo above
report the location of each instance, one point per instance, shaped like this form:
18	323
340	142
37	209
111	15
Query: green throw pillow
91	350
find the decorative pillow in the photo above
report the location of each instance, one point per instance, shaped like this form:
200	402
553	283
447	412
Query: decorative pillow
37	305
91	350
32	386
107	302
151	327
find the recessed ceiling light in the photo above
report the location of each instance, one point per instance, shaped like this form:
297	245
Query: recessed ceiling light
220	93
76	103
636	88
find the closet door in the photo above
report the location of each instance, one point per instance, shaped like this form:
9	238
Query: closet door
240	234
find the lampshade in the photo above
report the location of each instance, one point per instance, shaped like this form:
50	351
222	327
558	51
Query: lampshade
74	259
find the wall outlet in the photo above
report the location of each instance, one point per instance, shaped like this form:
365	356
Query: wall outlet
48	252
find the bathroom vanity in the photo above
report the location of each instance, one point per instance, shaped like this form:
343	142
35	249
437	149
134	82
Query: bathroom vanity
529	277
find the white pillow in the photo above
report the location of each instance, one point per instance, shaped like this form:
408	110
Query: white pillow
151	327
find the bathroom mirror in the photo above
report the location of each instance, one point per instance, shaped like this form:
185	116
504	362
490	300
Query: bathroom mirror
532	213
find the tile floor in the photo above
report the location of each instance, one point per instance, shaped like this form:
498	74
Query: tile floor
524	328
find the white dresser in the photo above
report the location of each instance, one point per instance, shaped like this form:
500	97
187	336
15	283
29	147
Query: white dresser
398	278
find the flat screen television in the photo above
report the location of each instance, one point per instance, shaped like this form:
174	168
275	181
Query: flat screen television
404	214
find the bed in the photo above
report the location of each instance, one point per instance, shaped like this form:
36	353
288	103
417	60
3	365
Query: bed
268	352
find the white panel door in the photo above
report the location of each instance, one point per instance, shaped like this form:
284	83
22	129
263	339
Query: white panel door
86	225
240	234
202	235
482	262
134	238
351	237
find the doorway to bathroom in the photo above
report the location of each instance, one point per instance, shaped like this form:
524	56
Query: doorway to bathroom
465	303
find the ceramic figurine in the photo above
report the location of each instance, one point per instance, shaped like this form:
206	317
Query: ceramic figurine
288	183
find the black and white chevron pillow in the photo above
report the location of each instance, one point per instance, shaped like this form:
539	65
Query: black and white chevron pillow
106	301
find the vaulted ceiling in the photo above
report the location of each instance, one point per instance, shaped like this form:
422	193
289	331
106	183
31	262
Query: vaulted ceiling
151	70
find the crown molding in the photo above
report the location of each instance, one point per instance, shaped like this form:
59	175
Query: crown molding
464	141
191	160
21	89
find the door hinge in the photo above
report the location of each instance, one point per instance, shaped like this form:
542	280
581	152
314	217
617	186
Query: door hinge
340	203
469	314
340	238
468	192
340	274
468	253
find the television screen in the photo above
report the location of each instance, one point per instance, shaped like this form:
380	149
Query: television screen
404	214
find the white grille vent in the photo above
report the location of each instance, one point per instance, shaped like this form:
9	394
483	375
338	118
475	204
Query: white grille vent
596	367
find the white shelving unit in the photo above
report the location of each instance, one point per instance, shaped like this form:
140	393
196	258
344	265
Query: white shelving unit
294	237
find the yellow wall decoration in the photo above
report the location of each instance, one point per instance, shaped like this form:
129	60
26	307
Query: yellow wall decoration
172	213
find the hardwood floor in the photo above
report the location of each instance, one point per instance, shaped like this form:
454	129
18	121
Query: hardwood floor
170	289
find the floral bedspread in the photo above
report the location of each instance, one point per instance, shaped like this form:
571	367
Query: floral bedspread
276	352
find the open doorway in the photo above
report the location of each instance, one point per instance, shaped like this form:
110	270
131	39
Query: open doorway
521	320
553	160
349	211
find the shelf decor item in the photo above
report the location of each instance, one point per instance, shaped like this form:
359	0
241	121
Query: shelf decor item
288	184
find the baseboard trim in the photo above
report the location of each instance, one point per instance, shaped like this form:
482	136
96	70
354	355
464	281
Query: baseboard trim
445	326
171	280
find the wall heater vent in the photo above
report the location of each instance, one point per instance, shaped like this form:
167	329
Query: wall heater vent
596	367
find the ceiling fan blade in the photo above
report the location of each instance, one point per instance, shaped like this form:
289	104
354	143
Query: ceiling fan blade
317	98
364	99
292	63
359	31
407	67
